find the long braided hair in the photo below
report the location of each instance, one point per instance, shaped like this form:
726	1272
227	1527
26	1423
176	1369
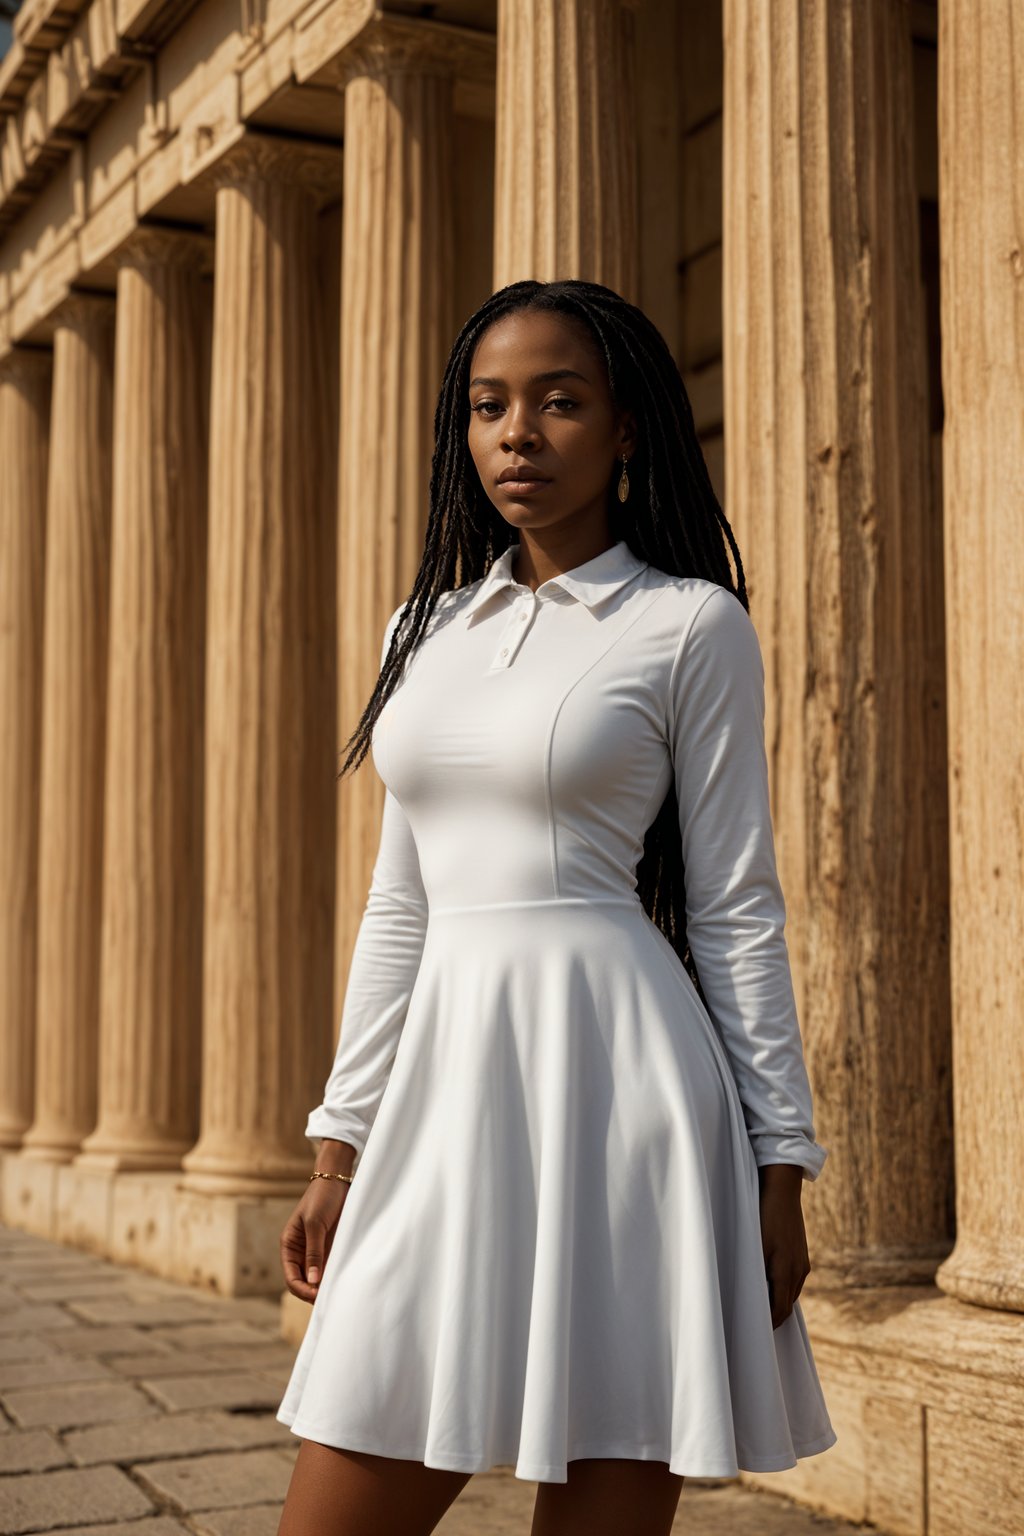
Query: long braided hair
672	518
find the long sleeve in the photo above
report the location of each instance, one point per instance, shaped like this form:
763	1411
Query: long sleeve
735	911
383	969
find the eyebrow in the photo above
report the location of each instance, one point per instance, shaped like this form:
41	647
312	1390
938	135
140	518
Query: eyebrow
538	378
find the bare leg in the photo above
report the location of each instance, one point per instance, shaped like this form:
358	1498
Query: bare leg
608	1496
351	1493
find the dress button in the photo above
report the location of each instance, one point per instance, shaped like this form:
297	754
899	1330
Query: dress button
505	651
522	618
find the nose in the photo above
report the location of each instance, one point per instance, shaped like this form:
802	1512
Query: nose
519	426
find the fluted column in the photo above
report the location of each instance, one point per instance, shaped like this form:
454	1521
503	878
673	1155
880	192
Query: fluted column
396	331
826	436
25	384
77	586
981	194
565	143
151	947
270	750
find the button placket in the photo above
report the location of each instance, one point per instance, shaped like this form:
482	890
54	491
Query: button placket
514	631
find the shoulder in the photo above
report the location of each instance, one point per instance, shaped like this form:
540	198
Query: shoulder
709	645
692	608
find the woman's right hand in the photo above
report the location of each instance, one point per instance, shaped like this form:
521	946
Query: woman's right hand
308	1235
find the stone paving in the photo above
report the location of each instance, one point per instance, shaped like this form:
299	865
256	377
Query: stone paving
132	1406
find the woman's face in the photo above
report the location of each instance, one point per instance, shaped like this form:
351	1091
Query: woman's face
539	398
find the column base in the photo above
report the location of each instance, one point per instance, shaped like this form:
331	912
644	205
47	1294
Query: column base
926	1396
123	1156
987	1272
228	1244
28	1193
839	1271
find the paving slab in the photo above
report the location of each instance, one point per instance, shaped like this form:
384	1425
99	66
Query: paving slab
220	1480
27	1346
36	1501
735	1510
176	1434
157	1525
42	1319
84	1288
31	1450
23	1272
139	1314
270	1356
263	1357
217	1333
251	1520
85	1402
52	1370
251	1309
91	1339
173	1363
233	1389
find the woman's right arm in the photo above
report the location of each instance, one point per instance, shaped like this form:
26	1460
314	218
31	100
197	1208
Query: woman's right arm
385	962
383	969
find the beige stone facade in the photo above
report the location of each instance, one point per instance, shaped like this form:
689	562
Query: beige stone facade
235	247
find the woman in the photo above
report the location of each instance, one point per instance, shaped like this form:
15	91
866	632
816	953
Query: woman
569	1061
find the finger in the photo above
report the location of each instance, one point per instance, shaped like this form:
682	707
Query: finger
314	1253
293	1254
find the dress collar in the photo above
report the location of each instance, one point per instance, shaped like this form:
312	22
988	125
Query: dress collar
591	583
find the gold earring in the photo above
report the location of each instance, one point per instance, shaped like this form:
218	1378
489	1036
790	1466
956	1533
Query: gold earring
623	480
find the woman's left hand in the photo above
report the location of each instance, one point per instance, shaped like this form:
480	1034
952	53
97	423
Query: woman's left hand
783	1239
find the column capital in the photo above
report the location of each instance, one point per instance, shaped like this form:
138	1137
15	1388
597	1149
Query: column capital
154	245
255	157
341	47
80	310
25	365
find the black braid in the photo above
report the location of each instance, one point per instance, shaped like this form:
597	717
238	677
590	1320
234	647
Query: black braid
672	518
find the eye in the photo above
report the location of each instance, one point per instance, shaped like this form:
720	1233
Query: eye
559	400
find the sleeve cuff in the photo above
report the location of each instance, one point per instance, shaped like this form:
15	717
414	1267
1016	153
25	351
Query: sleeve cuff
790	1149
337	1126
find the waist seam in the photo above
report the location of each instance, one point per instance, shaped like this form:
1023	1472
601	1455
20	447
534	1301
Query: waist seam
540	901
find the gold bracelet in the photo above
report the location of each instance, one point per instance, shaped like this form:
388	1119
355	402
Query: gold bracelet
348	1177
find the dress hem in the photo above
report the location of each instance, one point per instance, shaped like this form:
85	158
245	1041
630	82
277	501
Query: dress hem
551	1472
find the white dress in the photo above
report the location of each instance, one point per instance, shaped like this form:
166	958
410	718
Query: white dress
551	1247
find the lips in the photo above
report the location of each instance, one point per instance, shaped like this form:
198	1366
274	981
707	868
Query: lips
520	472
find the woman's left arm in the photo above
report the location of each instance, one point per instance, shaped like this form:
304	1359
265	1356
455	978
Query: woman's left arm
735	913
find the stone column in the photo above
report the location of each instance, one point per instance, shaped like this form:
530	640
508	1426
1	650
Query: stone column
826	436
25	384
74	727
981	193
565	200
397	328
151	947
270	750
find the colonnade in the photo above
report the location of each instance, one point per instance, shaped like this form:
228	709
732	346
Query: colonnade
195	555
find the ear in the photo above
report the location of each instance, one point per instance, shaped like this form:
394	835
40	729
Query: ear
627	434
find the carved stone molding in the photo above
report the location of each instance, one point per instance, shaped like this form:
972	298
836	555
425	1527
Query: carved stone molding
312	168
26	365
340	43
80	310
154	246
389	46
